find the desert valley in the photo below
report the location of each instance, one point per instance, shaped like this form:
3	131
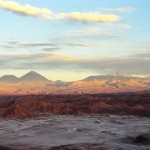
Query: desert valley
74	75
107	112
75	122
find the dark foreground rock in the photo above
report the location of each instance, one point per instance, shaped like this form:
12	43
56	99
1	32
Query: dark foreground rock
36	105
45	133
5	148
83	146
141	139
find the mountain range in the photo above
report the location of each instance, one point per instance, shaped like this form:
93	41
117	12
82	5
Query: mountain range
32	76
34	83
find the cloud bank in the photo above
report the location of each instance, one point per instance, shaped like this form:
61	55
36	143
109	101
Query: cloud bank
131	64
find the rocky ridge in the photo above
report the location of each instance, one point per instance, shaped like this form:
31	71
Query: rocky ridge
40	105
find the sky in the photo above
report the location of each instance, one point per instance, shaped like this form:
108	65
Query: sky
72	39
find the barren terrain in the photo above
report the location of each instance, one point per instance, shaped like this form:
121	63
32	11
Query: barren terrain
75	122
75	133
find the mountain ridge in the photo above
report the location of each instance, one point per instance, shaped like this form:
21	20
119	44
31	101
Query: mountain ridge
29	77
34	83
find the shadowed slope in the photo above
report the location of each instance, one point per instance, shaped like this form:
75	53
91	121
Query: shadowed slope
8	78
32	76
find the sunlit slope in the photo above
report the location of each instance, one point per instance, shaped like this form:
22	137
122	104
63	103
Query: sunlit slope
34	83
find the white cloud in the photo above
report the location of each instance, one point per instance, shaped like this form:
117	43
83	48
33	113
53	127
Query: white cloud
124	26
26	9
88	17
81	44
119	10
94	33
45	13
93	30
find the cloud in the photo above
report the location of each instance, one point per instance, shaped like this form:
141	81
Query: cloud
35	44
128	64
51	49
88	17
119	10
123	26
46	46
93	30
88	34
17	44
26	10
81	44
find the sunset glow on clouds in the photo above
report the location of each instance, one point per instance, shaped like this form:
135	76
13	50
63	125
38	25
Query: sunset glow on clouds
69	36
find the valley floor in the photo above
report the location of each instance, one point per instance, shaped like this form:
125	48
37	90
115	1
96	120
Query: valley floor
85	132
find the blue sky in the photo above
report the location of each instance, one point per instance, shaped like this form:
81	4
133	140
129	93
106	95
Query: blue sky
70	40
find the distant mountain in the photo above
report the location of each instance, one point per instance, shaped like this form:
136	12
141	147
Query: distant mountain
34	83
60	83
32	76
108	77
110	83
8	78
